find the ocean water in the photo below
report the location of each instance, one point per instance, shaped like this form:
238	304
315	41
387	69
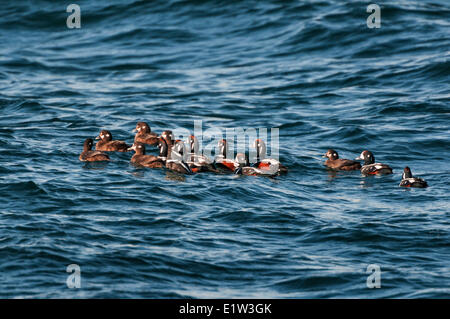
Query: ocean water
312	69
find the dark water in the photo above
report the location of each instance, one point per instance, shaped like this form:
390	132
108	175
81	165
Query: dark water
311	68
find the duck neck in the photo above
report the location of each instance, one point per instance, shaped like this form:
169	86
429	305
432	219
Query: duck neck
164	149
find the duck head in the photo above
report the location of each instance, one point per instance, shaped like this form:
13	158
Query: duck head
87	146
139	148
105	136
142	128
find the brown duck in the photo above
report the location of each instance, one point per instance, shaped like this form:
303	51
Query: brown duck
92	156
106	143
139	158
144	134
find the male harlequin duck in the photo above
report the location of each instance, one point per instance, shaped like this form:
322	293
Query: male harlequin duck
145	135
341	164
175	159
263	163
198	162
107	144
221	161
410	181
245	169
370	167
139	158
92	156
167	135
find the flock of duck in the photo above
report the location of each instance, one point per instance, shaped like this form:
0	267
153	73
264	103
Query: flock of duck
175	156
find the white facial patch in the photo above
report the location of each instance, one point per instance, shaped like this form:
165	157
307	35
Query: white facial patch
102	136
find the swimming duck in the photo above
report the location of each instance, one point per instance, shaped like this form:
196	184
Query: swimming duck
410	181
245	169
175	159
341	164
370	167
107	144
263	163
167	135
198	162
139	158
145	135
92	156
221	161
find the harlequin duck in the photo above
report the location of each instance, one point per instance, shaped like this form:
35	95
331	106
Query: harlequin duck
370	167
263	163
221	161
410	181
167	135
245	169
139	158
145	135
92	156
107	144
175	160
340	164
198	162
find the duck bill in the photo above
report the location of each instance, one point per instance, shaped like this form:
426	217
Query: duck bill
324	155
359	158
98	137
132	148
134	130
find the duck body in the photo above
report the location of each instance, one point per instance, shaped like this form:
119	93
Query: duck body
225	164
107	144
88	155
340	164
376	169
266	165
175	161
410	181
200	163
372	168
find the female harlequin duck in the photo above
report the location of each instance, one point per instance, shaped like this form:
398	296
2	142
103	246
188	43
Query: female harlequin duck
340	164
175	159
245	169
263	163
139	158
370	167
107	144
167	137
410	181
92	156
144	135
221	161
198	162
